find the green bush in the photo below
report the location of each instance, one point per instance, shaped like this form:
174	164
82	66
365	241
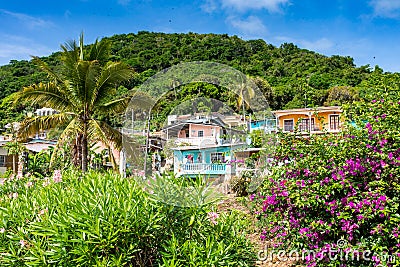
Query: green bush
105	220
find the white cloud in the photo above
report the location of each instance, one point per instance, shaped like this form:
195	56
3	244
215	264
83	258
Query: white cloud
242	5
250	26
322	45
210	6
29	21
386	8
20	48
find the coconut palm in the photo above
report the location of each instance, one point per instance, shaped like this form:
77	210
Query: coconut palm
243	95
80	92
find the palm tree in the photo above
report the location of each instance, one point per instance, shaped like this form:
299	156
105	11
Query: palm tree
244	95
79	92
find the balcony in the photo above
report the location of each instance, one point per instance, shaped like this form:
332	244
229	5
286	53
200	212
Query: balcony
315	128
202	168
196	141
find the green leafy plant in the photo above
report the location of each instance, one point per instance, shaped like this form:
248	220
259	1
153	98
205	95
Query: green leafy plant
102	219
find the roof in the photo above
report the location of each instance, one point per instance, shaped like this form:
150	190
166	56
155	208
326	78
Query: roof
176	127
206	147
38	145
307	110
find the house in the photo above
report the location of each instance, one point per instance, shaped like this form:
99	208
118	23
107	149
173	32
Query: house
43	112
267	125
204	145
211	161
309	120
38	145
198	131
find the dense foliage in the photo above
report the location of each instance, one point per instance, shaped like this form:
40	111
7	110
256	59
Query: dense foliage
287	75
336	195
101	219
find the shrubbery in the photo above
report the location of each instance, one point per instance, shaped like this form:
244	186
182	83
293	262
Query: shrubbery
339	193
105	220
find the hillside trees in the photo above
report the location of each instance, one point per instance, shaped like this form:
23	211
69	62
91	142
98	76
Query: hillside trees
284	68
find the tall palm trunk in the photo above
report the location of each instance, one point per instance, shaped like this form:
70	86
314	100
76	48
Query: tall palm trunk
85	147
77	152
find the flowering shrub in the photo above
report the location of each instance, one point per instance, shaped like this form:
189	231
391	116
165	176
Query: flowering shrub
342	187
102	219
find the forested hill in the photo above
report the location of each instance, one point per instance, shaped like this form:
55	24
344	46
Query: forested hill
292	77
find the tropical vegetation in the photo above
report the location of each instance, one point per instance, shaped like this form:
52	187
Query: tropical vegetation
336	195
80	91
102	219
325	196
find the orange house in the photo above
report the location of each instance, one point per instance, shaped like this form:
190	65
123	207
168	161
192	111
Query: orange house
309	120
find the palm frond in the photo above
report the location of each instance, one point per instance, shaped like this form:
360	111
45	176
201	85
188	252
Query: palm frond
105	133
111	75
45	67
139	100
44	94
85	80
73	129
100	51
70	56
81	55
117	106
32	126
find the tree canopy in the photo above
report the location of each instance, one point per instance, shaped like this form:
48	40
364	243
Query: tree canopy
289	76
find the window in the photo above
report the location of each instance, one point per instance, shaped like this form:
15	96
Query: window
217	157
200	133
334	122
304	125
288	125
2	161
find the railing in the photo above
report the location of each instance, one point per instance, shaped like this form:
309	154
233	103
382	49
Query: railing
203	168
314	128
196	141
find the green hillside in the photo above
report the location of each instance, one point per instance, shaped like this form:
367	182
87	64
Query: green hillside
289	76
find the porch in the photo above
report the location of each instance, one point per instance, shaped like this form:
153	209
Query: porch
203	168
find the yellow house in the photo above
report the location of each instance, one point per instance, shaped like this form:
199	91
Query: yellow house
309	120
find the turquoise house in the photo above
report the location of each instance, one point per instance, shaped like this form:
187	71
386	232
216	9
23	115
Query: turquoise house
210	160
267	125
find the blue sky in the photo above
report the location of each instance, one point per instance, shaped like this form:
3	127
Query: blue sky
367	30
